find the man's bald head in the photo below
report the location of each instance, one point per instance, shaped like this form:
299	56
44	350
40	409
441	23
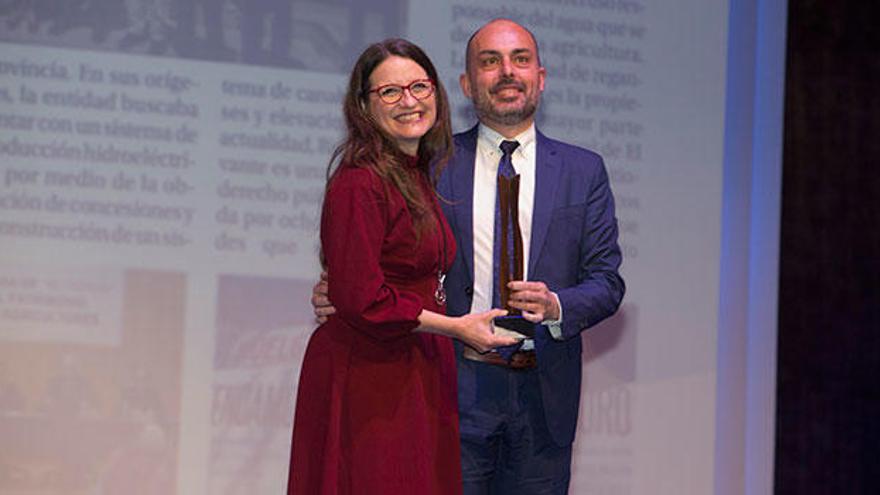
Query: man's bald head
499	21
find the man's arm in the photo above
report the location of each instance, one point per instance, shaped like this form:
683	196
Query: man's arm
600	288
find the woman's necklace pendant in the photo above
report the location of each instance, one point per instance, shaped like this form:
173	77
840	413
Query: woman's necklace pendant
440	293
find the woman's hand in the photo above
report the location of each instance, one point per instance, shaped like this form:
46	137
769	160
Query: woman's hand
476	331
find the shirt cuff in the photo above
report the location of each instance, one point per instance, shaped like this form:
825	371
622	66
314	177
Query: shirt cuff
555	326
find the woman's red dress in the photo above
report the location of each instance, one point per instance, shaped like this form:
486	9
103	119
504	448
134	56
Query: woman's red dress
376	409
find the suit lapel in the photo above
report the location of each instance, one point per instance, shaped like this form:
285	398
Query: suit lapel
548	171
462	187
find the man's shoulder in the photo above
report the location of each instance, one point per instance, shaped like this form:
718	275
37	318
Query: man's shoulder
464	145
575	159
567	149
466	139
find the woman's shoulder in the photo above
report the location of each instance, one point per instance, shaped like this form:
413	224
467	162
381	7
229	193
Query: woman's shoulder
356	179
349	175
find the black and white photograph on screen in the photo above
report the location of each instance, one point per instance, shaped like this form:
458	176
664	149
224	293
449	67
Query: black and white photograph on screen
313	35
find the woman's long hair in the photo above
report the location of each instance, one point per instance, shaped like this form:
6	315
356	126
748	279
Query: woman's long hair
367	145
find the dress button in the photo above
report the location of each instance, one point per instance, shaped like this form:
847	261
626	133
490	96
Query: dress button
469	291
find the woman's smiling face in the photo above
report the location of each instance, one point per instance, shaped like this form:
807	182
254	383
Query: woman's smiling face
407	120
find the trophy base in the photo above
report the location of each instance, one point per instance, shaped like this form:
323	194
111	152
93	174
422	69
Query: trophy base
516	324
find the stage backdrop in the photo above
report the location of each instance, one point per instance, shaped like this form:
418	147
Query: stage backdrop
162	168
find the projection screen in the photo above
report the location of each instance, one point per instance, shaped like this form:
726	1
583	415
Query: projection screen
163	166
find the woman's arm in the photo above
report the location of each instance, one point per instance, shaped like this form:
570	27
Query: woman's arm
473	329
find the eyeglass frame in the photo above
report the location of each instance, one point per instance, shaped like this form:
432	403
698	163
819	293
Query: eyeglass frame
404	89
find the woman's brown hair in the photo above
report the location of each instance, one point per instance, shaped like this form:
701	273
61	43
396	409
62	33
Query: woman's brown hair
367	145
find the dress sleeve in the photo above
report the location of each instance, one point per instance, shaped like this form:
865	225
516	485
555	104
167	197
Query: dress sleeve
354	222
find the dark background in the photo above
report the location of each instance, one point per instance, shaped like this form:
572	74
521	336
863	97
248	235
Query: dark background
828	395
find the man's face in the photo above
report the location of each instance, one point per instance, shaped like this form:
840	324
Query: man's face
503	79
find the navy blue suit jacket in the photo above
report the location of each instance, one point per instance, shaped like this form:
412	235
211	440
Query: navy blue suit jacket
573	250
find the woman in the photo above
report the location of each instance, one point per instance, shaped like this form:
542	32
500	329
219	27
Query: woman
376	407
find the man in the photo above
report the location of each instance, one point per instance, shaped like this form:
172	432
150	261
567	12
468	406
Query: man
518	414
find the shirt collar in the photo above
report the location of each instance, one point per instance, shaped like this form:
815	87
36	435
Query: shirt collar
491	139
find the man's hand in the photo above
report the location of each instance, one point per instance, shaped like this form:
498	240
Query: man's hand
321	300
534	299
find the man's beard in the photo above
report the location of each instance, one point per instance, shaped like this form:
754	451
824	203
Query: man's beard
512	116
